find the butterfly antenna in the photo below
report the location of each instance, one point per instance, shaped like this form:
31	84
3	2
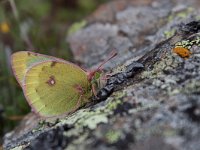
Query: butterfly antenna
111	55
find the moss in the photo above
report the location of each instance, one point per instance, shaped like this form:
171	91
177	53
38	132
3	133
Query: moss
112	136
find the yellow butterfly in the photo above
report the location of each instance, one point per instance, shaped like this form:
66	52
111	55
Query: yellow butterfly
52	86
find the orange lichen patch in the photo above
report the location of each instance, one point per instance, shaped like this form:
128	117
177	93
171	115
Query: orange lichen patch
182	52
4	27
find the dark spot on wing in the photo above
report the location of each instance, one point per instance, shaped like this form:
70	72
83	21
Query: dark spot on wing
51	81
53	64
29	53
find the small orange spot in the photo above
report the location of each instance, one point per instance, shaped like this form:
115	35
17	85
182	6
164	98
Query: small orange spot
182	52
4	27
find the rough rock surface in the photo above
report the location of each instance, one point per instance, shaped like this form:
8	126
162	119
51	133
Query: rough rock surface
151	101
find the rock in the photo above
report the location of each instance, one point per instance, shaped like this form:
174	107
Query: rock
151	100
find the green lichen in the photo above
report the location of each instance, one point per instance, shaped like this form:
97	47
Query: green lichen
146	132
40	127
18	148
170	132
42	124
197	17
193	86
145	107
84	117
94	120
181	14
189	43
159	79
80	140
169	33
197	41
158	130
166	63
113	136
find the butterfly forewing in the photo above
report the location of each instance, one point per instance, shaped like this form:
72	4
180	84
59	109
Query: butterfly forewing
54	87
24	60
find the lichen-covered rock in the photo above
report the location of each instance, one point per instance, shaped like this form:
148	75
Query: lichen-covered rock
151	101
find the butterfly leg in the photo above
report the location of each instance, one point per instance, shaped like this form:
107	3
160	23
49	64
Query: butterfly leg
94	90
106	76
81	98
81	93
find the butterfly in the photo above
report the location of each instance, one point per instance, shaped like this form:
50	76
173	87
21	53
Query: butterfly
53	86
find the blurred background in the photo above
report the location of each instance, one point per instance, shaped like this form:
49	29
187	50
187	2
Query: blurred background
42	25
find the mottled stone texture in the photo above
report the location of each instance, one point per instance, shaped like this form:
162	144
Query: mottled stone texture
152	99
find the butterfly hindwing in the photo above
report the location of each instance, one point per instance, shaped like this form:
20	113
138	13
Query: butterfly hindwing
55	87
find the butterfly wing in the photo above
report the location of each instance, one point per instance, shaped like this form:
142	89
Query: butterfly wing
21	61
53	87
